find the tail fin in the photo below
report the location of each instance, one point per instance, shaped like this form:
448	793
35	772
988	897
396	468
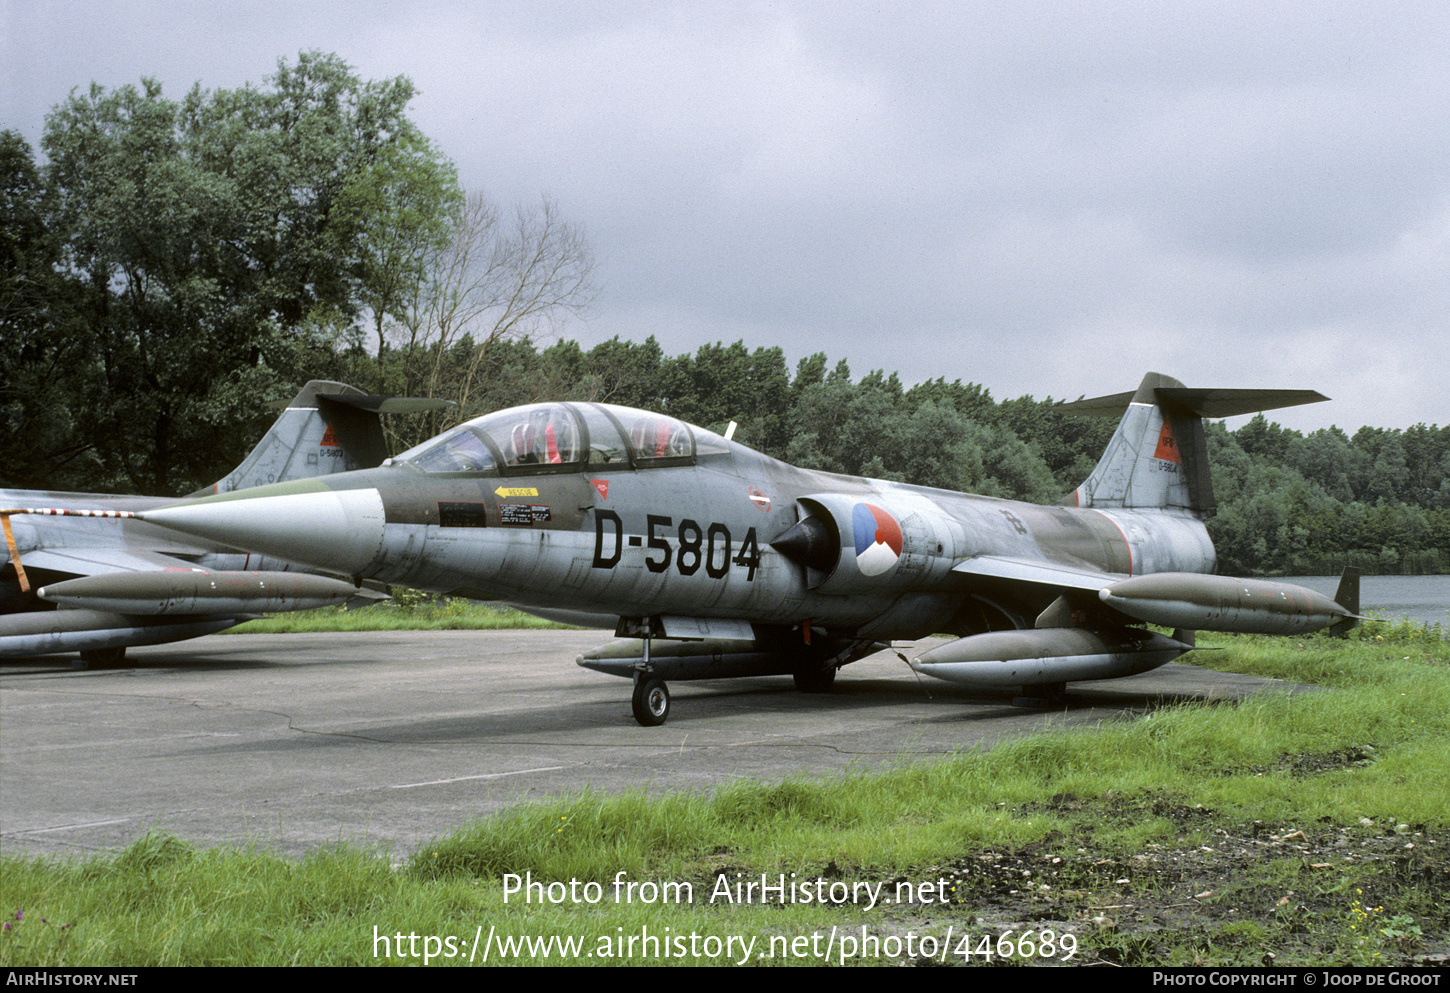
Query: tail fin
1347	596
1158	457
328	427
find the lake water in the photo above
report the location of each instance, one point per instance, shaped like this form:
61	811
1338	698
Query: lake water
1425	599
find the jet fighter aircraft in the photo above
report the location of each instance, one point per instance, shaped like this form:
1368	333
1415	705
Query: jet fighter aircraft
712	560
81	580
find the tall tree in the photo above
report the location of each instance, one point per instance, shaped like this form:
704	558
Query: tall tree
43	364
218	239
497	276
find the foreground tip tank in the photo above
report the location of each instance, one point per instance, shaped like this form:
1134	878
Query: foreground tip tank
1186	602
1222	603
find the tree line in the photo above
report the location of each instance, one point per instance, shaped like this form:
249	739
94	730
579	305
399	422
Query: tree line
173	260
1288	503
173	263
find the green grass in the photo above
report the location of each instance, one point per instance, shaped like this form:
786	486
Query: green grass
408	611
1362	759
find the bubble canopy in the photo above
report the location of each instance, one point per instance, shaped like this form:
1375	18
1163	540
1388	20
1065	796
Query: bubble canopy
563	437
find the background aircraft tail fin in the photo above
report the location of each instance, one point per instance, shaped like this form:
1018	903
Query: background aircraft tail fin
327	427
1158	457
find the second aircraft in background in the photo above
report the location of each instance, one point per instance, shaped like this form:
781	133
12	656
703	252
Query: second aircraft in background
80	575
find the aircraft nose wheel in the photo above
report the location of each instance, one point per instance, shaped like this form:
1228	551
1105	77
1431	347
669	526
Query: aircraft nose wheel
651	701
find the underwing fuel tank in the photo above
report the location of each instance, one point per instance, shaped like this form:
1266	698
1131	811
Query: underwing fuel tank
198	591
723	658
716	658
1222	603
1047	655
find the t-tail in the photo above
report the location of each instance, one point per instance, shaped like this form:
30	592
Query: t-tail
328	427
1158	457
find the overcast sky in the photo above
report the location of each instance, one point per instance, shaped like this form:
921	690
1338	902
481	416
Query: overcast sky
1046	201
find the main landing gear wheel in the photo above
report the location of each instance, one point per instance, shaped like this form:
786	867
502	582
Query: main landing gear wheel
815	680
651	701
101	658
1042	696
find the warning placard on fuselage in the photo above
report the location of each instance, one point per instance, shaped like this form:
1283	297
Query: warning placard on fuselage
523	514
457	514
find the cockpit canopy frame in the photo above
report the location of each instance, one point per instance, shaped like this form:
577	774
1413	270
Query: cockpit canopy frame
559	437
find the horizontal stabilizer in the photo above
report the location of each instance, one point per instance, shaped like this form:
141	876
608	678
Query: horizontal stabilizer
1158	457
1210	403
389	404
326	428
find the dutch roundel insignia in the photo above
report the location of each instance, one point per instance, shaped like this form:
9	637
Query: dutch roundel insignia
878	539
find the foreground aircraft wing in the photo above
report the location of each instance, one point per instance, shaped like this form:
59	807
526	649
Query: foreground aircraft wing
100	561
1044	574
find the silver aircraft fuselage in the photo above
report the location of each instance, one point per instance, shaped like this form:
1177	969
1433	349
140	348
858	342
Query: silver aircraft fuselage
694	539
745	565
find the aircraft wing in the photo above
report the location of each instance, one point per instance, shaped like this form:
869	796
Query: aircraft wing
1186	601
97	561
1041	573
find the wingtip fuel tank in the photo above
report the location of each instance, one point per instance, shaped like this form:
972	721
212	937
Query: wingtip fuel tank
1222	603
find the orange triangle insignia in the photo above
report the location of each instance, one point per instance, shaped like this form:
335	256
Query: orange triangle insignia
602	485
1167	449
329	438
